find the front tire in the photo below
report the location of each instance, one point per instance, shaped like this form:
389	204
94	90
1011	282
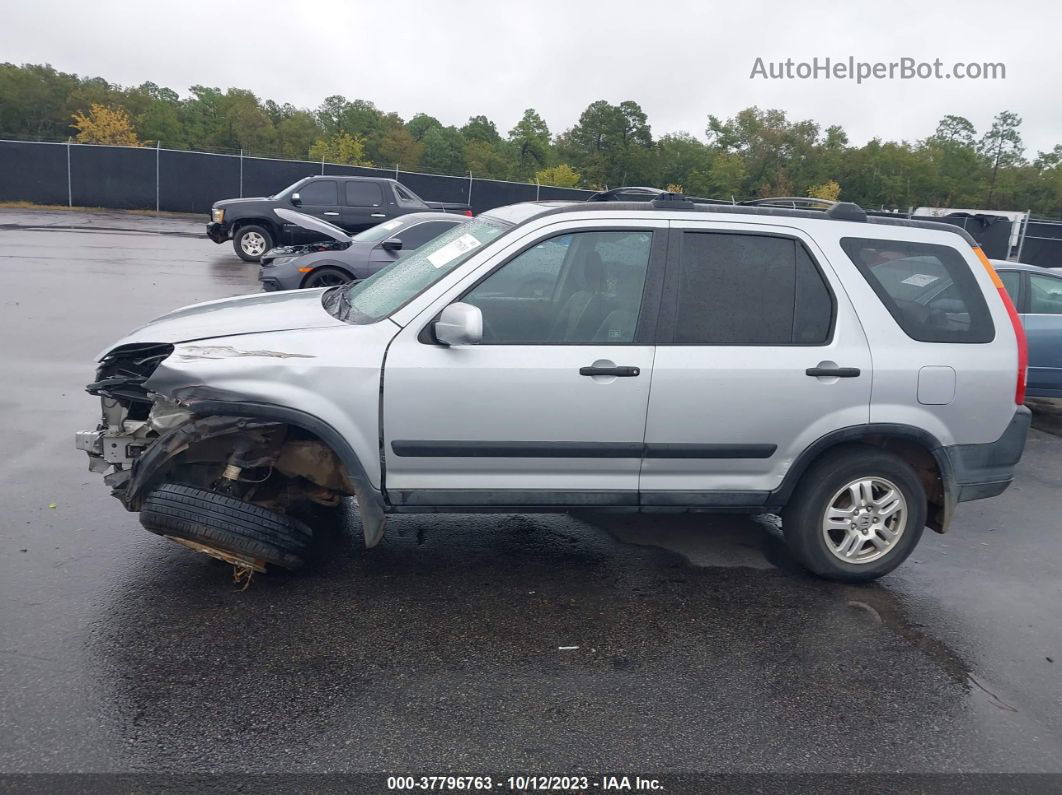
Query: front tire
251	242
856	515
326	276
225	525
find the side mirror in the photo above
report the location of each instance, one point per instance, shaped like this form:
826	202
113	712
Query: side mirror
459	324
296	200
391	244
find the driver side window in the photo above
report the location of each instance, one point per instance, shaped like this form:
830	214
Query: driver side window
578	288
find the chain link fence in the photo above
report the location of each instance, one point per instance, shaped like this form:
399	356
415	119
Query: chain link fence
175	180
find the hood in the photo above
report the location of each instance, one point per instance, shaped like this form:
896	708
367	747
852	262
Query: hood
244	200
313	224
245	314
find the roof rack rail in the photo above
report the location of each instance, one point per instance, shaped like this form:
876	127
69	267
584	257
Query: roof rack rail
614	194
794	202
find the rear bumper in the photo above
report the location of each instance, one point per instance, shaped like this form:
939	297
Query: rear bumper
219	233
986	470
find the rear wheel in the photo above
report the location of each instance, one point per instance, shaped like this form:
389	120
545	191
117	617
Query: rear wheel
251	242
226	528
856	515
326	277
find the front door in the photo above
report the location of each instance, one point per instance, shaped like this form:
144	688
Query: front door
760	353
319	198
549	409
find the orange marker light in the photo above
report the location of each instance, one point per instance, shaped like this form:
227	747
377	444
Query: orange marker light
1015	321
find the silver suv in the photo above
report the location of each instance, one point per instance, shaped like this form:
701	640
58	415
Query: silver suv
859	376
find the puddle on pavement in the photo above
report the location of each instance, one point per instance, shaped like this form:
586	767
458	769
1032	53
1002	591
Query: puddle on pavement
469	621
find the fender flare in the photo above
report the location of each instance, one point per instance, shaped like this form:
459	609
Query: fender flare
888	430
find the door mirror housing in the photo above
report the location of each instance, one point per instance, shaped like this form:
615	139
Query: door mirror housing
296	200
459	324
392	244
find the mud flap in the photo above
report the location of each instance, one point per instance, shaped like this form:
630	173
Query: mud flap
373	519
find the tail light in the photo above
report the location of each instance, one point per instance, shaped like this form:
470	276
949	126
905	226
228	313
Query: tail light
1015	321
468	213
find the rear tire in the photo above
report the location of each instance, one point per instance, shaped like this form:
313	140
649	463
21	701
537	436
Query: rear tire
326	276
855	515
251	242
226	523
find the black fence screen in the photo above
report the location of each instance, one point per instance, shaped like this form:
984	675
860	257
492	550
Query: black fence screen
131	178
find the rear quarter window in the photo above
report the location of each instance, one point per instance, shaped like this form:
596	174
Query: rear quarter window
928	289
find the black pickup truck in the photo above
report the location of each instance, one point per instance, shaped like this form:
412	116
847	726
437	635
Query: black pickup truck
353	203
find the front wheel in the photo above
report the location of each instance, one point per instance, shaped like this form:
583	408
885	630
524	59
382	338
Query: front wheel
251	242
326	277
856	515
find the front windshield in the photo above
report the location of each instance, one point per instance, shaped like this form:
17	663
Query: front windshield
407	277
288	189
374	234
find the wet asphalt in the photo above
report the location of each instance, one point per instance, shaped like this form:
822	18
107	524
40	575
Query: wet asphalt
699	645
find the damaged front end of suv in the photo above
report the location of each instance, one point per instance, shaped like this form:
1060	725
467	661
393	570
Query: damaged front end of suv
224	470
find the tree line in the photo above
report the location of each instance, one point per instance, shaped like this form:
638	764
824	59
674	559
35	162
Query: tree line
757	152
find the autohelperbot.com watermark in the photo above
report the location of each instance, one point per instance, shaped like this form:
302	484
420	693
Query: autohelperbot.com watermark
851	68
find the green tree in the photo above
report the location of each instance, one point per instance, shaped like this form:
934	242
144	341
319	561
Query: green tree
444	150
610	144
297	131
1002	148
480	128
530	140
421	124
398	147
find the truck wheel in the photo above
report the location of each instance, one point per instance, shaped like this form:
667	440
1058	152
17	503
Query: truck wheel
251	242
326	277
225	527
856	515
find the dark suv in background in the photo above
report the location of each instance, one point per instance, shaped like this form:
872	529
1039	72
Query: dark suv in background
351	203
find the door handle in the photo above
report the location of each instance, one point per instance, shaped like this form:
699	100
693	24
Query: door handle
619	372
833	372
331	213
378	215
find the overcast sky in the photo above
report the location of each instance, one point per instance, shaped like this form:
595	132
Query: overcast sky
679	60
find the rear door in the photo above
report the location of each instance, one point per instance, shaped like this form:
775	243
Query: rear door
363	205
760	353
549	409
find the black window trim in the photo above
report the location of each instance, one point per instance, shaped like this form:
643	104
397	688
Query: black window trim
346	187
889	304
668	317
651	291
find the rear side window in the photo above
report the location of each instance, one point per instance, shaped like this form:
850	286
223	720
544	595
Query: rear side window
749	290
364	194
1045	295
928	289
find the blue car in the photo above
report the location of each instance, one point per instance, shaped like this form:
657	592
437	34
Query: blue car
1037	295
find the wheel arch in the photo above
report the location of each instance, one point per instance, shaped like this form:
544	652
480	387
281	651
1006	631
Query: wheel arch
919	448
269	225
339	266
371	504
